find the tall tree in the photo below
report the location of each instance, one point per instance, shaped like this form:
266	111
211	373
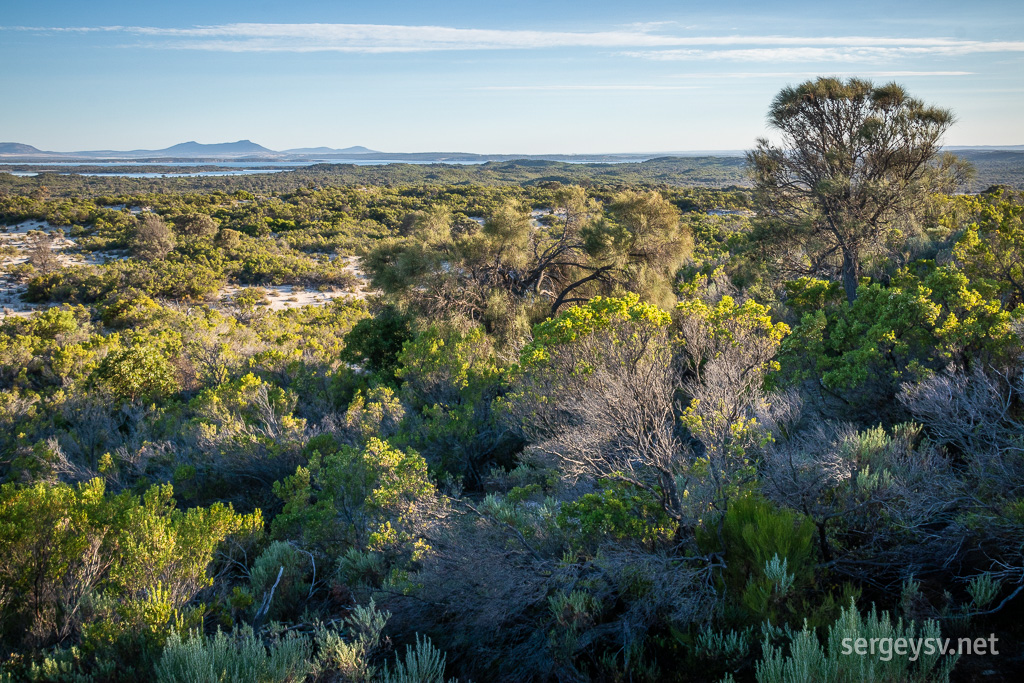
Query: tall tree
511	263
853	161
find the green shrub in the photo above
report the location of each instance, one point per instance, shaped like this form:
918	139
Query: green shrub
140	371
351	658
290	591
620	511
374	343
248	298
238	657
928	318
358	567
112	567
421	664
370	498
838	663
766	549
451	379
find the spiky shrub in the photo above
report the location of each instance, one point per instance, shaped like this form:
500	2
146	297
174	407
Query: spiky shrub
769	552
808	661
349	657
422	664
730	647
236	657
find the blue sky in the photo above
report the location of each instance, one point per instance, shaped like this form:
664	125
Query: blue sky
524	77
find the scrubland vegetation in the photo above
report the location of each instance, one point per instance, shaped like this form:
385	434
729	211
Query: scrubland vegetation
605	430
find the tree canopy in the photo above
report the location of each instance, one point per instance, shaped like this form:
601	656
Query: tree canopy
852	164
516	263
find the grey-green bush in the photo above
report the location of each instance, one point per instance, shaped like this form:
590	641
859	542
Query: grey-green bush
422	664
236	657
807	661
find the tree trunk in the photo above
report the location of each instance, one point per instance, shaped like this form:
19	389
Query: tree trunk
851	274
596	275
826	550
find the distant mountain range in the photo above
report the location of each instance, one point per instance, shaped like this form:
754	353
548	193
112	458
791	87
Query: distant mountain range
196	149
184	150
327	150
249	150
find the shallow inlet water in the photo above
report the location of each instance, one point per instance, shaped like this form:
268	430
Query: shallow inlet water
238	168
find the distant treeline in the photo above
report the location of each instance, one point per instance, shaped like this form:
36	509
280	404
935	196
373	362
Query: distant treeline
1005	168
665	172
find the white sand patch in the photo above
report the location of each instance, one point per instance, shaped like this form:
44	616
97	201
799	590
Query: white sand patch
354	265
536	215
732	212
279	297
25	226
22	238
284	297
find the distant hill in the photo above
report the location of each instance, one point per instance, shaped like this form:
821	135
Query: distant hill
330	150
196	149
184	150
18	148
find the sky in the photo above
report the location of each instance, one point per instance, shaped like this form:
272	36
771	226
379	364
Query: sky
530	77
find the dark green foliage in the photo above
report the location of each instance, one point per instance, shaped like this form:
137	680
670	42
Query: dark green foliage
197	224
280	582
138	372
620	511
752	535
451	380
375	343
364	498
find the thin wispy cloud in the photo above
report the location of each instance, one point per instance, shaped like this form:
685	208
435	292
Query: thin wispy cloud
374	37
827	54
576	87
653	41
808	74
66	29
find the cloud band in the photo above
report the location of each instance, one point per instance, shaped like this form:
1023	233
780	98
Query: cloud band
651	42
